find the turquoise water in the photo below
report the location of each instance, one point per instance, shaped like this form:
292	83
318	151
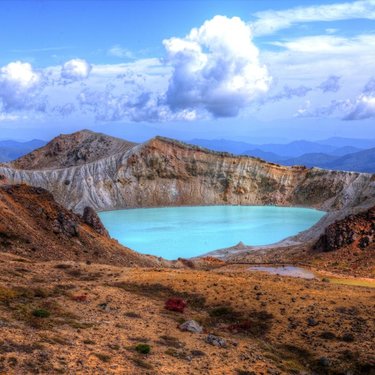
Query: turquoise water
186	232
285	271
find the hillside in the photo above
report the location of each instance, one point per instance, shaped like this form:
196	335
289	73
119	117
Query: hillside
276	152
165	172
310	160
33	225
362	161
339	155
75	149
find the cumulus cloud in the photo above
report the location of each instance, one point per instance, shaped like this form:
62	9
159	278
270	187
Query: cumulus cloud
269	22
76	69
216	68
331	84
19	86
364	106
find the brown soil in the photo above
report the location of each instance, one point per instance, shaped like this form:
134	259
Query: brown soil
97	314
32	224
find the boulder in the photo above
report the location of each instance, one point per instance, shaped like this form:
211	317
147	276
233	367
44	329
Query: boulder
191	326
90	217
216	341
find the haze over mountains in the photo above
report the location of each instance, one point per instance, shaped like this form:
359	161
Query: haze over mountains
334	153
10	150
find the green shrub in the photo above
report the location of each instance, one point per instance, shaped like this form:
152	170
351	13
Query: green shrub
143	348
41	313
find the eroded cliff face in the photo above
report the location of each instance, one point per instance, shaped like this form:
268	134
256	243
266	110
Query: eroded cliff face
164	172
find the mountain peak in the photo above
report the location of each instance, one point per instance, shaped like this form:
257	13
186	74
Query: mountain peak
67	150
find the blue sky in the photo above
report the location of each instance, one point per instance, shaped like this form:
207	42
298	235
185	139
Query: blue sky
248	70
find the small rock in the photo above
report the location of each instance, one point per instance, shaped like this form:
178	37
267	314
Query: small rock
104	307
324	362
312	322
216	341
347	337
191	326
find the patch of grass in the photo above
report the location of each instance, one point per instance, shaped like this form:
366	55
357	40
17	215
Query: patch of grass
41	313
7	295
143	348
353	282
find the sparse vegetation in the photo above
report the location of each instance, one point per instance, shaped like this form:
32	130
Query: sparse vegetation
143	348
41	313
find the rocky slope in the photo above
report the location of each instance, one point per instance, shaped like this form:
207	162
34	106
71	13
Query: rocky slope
71	150
33	225
164	172
345	247
357	231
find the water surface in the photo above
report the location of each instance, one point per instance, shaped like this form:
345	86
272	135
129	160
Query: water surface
285	271
186	232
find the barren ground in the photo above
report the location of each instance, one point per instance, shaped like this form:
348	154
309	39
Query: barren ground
99	313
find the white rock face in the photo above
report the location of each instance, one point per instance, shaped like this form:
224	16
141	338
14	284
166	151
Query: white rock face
163	172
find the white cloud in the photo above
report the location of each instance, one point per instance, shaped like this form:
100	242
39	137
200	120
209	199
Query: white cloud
360	108
75	69
19	86
364	106
215	68
269	22
329	44
121	52
5	117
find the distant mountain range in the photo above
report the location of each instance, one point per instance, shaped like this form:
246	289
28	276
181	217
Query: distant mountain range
10	150
333	153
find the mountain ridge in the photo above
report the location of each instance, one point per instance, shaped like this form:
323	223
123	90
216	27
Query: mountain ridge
167	172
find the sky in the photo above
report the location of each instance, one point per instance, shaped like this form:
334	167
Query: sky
252	70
